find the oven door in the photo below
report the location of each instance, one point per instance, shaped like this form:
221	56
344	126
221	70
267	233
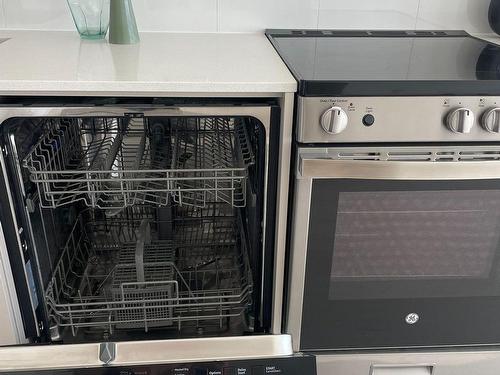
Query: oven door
396	248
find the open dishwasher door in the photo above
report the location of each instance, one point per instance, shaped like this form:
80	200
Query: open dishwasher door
268	354
142	229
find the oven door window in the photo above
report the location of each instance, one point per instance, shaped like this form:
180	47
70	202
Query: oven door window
425	243
381	250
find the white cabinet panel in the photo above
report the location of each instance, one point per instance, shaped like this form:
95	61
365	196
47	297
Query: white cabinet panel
257	15
368	14
469	15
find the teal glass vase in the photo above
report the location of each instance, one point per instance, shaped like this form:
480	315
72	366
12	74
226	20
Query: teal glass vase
122	24
91	17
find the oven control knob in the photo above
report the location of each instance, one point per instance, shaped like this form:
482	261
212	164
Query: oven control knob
460	120
491	120
334	120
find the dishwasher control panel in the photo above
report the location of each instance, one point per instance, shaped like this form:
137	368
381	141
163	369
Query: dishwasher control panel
293	365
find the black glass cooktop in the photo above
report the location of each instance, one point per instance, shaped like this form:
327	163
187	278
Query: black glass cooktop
329	62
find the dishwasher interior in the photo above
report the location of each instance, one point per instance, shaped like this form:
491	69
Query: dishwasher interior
141	227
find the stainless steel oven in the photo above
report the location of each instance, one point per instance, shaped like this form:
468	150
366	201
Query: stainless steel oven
395	247
394	231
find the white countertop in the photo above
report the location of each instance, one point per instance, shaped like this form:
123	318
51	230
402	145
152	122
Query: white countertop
163	64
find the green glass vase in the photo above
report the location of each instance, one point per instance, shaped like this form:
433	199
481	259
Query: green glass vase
91	17
122	24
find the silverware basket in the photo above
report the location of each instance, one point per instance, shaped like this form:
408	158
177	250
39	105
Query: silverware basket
201	274
112	163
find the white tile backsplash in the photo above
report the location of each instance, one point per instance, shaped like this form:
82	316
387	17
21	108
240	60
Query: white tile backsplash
471	15
368	14
256	15
176	15
2	16
37	14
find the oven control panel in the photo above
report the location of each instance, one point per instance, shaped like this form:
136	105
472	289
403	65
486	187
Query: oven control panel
293	365
398	119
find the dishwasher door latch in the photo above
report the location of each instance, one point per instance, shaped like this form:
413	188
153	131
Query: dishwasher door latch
107	352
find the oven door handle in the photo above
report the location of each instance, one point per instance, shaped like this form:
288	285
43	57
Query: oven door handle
397	170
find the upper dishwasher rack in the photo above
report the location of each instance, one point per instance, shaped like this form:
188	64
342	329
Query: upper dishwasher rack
120	162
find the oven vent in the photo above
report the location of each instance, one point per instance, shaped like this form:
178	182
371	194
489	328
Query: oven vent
418	154
359	155
387	155
479	155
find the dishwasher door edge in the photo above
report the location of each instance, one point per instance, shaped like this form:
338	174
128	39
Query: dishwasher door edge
51	357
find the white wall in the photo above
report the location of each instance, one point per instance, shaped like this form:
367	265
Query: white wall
253	15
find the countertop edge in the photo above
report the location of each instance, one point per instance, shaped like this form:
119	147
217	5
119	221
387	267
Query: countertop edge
61	87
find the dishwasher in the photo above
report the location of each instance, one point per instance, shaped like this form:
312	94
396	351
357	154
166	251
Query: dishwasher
143	228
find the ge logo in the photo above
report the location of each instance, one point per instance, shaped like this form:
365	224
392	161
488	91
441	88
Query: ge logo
412	318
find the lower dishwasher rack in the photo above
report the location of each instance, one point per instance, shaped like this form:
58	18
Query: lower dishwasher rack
201	274
112	163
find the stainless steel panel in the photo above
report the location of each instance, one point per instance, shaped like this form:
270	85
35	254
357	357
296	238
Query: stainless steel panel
143	352
397	119
402	370
49	357
481	362
209	349
401	170
297	260
403	163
